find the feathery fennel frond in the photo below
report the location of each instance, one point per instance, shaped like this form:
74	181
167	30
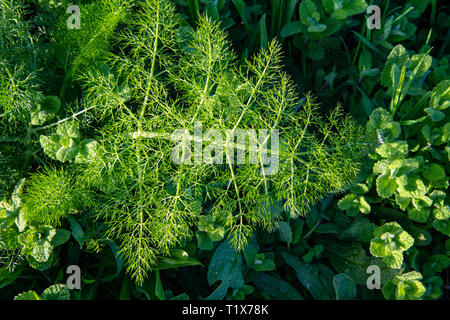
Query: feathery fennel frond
16	40
82	47
18	96
18	65
144	216
52	195
169	81
150	203
199	72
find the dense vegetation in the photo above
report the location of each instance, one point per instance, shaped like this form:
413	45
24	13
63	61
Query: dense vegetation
357	118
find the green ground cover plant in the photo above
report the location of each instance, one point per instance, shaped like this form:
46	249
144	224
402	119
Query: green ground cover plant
87	171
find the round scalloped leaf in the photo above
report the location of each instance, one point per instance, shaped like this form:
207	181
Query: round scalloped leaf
87	151
434	172
42	251
386	185
397	56
67	154
51	104
441	212
381	127
344	286
56	292
393	150
29	295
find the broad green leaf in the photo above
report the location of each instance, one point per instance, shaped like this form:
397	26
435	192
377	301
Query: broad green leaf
50	145
17	194
442	226
434	114
361	229
250	251
434	287
386	185
359	189
419	214
77	230
21	222
42	250
292	28
440	97
66	145
381	126
393	150
351	258
297	229
276	288
61	237
397	56
414	188
285	232
434	172
159	290
226	266
51	104
87	151
68	130
317	27
29	295
441	212
421	236
364	206
344	286
343	9
315	50
56	292
353	204
207	224
67	154
393	259
388	242
406	286
261	263
327	228
436	264
255	260
204	242
118	259
309	276
308	9
347	202
419	64
329	5
178	258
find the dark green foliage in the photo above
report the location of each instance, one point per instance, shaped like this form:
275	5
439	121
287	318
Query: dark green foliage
87	115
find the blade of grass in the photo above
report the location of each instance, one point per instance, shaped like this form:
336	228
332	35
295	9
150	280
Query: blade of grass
193	10
369	44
